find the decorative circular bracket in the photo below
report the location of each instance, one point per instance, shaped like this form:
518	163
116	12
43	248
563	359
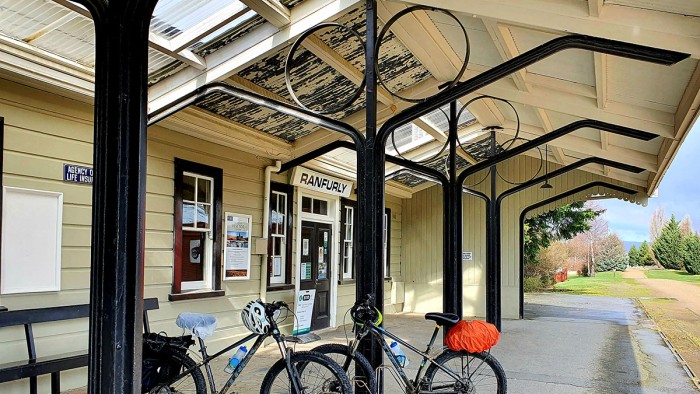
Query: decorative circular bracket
288	68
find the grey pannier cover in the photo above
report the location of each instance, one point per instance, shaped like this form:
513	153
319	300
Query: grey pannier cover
200	324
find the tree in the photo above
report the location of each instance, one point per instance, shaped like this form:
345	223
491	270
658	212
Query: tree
612	255
658	220
686	226
691	254
668	246
559	224
633	255
644	254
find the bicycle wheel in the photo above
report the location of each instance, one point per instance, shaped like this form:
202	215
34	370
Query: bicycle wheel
339	354
479	373
316	372
192	383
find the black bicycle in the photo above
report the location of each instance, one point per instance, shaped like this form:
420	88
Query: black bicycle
448	372
168	367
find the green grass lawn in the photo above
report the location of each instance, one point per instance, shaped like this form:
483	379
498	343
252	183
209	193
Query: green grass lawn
603	284
673	275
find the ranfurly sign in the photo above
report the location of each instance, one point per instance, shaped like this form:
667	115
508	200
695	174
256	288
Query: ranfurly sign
313	180
77	174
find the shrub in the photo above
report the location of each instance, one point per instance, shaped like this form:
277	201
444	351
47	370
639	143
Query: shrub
533	284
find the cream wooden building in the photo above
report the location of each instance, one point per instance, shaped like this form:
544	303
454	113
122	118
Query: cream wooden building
230	149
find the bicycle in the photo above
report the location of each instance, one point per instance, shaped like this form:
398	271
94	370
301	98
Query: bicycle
301	372
448	372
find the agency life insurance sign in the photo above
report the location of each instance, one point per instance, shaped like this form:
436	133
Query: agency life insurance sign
323	183
77	174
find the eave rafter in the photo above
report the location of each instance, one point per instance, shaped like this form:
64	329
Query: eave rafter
272	10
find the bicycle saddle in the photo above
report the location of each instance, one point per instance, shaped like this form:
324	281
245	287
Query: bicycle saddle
443	319
201	325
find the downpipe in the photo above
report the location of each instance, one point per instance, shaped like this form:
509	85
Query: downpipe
266	225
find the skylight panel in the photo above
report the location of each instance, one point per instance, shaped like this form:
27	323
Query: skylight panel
225	29
173	17
439	121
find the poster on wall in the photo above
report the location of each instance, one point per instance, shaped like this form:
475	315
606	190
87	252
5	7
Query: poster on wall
304	311
237	253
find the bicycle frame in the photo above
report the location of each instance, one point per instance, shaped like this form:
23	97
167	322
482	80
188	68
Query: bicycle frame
206	359
379	333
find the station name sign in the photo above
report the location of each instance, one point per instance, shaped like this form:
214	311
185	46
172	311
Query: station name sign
313	180
77	174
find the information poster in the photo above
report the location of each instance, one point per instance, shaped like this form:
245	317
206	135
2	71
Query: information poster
304	311
237	255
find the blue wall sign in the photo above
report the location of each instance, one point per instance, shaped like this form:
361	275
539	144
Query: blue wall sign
77	174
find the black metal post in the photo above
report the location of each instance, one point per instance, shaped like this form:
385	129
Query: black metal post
452	224
118	194
493	269
370	199
536	205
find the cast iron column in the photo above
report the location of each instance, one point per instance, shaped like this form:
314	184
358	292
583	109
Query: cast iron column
493	271
452	217
118	195
370	198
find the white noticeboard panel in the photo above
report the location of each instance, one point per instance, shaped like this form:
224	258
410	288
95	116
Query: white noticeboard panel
31	241
304	311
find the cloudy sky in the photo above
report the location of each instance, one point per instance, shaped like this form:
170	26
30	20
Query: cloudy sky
678	194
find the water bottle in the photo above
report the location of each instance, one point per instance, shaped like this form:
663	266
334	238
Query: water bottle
400	355
236	359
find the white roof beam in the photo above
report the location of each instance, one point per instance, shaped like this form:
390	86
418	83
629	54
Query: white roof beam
204	28
595	7
250	48
589	147
420	36
601	80
629	24
653	121
186	56
505	44
547	127
272	10
441	137
316	46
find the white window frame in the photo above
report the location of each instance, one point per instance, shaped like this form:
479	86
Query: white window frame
385	237
207	281
348	241
282	278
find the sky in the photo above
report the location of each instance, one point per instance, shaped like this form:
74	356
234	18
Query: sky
678	194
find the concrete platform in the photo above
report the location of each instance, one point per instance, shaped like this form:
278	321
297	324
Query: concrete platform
566	344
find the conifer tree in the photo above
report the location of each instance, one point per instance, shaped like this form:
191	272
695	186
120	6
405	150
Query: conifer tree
644	254
633	256
691	254
668	247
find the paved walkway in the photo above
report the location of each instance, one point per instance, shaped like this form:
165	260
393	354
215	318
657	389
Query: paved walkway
566	344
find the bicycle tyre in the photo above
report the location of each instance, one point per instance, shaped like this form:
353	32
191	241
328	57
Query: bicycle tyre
339	354
191	383
318	374
484	374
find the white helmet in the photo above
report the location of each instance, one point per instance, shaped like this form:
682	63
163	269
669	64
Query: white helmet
253	315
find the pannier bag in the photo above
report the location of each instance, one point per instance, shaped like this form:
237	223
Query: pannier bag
160	361
474	336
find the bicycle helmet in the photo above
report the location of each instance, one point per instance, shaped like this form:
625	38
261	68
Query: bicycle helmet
253	316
